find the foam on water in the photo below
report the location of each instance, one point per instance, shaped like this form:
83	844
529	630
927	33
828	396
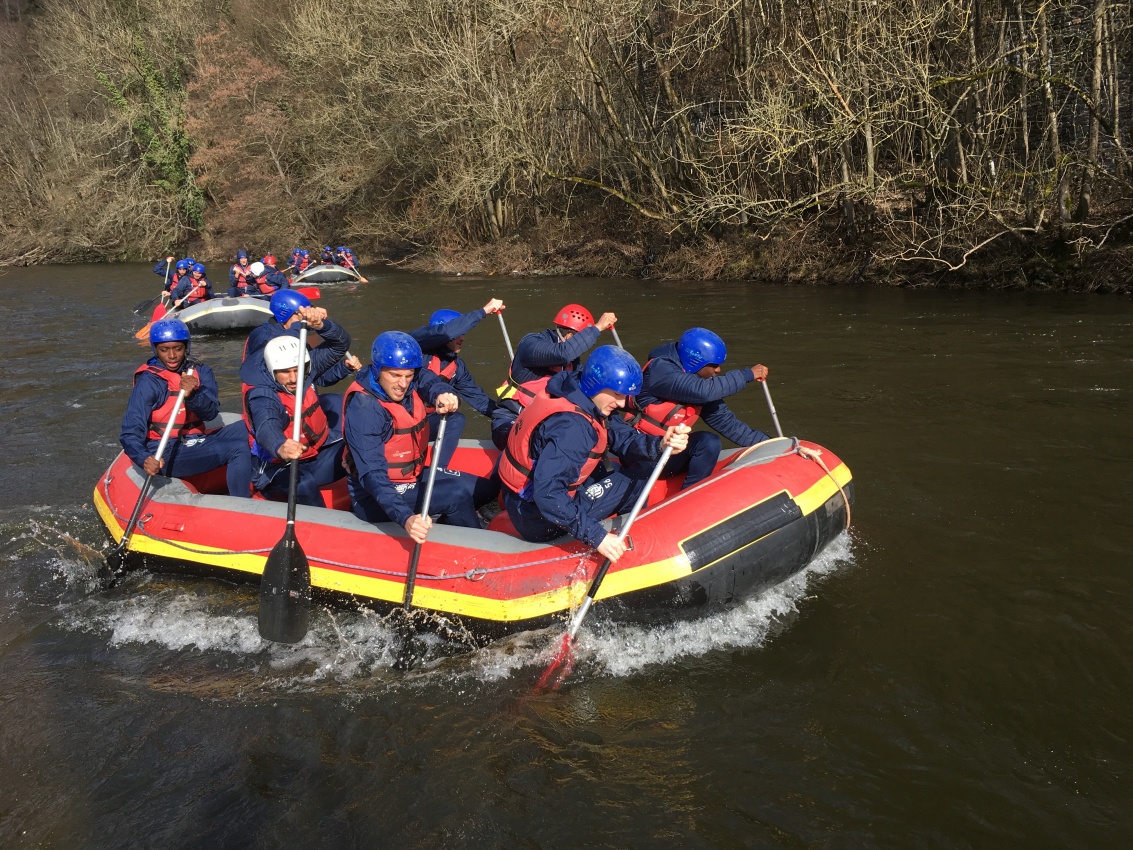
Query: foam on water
347	650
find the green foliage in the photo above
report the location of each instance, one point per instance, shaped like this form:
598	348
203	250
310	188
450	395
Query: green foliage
154	102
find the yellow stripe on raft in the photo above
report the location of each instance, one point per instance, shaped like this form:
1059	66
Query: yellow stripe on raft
510	610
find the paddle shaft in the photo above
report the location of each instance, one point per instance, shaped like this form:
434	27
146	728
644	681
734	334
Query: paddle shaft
149	478
411	575
771	405
296	430
507	339
617	339
622	534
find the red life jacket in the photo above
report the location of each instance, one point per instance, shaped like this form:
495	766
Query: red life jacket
197	291
516	463
186	422
243	278
304	264
446	369
654	419
265	287
174	281
313	427
523	394
407	447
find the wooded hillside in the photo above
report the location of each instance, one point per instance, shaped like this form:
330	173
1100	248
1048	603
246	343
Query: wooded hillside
932	140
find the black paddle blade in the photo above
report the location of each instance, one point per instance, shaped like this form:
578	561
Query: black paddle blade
285	592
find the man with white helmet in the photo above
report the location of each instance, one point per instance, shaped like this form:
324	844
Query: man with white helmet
193	448
551	470
682	383
269	411
288	308
387	434
268	279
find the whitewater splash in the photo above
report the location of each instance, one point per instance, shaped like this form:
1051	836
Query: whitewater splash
354	647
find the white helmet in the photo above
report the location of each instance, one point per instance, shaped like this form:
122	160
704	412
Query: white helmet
257	268
283	353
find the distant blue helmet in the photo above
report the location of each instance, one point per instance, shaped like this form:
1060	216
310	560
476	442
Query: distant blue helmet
184	264
241	254
326	247
340	249
169	330
441	316
198	268
610	368
699	347
296	252
285	303
396	350
190	260
304	253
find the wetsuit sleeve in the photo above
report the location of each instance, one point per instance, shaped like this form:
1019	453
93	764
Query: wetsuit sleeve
541	352
666	380
181	290
368	428
720	418
205	400
431	385
627	443
330	352
430	338
232	282
269	418
147	395
159	269
467	388
562	444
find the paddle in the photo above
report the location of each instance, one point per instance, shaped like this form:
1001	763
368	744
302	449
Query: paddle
144	332
285	587
507	339
564	658
145	305
405	660
617	339
771	405
117	558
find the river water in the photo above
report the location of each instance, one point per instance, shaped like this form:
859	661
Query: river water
954	672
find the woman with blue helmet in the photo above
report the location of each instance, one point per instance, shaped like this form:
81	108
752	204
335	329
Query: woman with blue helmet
441	341
683	383
193	447
387	438
554	483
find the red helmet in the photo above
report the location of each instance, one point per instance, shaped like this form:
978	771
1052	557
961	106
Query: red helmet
269	259
574	316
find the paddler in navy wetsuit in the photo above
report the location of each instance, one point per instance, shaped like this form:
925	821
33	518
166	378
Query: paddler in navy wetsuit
269	410
193	289
191	449
539	356
682	383
441	341
176	275
387	437
288	309
240	277
551	470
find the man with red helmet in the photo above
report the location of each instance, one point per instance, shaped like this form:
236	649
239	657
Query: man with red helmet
541	355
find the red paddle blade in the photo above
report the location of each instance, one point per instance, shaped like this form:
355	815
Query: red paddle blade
559	667
312	292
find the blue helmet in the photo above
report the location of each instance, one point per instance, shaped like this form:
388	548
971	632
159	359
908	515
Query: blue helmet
190	260
304	253
169	330
184	264
340	249
610	368
699	347
285	303
198	268
241	254
443	315
396	350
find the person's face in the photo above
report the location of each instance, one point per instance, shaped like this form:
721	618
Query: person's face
607	401
196	275
709	371
171	354
564	333
395	382
455	344
244	261
288	378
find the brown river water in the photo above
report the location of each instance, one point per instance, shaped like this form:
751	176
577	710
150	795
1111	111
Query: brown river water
954	672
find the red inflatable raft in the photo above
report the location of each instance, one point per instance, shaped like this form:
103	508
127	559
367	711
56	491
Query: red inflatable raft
761	517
